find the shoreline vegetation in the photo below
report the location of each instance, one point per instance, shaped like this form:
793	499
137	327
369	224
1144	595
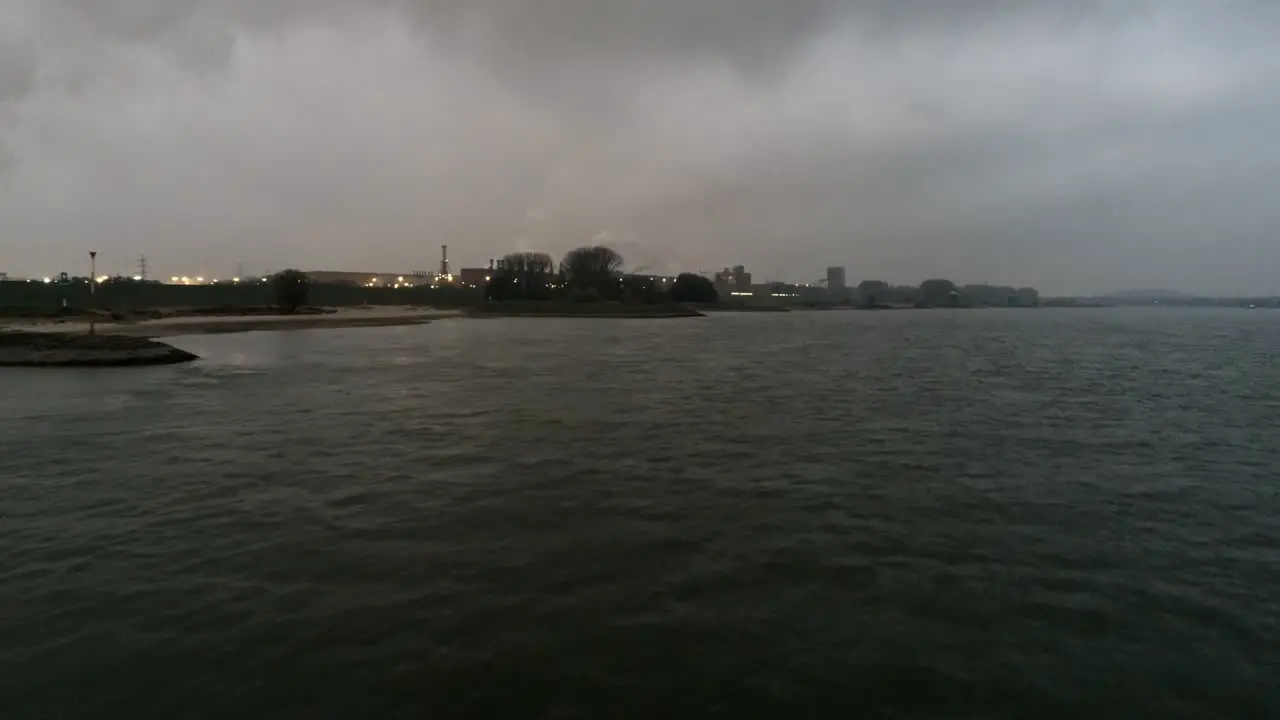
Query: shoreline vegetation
594	276
589	282
45	349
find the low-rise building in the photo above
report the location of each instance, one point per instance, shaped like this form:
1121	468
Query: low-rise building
733	282
371	279
661	282
474	277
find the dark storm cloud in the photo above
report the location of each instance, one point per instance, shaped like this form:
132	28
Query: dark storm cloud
518	36
1074	145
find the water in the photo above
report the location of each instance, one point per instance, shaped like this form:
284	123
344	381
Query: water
933	514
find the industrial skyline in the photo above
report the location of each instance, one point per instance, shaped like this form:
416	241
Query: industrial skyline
1076	147
399	275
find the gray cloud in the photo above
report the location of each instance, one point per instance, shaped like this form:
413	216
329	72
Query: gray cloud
17	68
1077	146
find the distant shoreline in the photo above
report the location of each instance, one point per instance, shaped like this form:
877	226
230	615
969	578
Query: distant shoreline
189	322
586	311
222	324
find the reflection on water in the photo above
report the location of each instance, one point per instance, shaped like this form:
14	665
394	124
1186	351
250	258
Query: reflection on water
955	514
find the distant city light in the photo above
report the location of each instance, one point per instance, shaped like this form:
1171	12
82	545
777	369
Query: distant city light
173	279
137	278
48	280
199	279
235	280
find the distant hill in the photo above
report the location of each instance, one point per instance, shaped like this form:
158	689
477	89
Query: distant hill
1149	295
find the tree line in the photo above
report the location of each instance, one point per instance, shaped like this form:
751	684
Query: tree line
938	292
587	274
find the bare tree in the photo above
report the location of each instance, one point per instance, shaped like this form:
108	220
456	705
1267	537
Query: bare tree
593	269
531	263
522	276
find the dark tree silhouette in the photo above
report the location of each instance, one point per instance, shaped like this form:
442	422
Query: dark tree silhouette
593	271
292	288
691	288
527	263
522	276
531	273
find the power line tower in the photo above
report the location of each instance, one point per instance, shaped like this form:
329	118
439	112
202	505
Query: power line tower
142	266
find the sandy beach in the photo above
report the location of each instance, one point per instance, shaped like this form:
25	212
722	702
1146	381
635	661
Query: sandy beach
208	325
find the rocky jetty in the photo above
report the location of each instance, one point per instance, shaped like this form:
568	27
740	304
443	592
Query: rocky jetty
51	349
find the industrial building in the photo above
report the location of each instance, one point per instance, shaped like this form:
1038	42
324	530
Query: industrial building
837	289
415	278
733	282
474	277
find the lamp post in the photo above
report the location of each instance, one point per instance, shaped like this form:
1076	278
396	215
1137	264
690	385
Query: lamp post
93	284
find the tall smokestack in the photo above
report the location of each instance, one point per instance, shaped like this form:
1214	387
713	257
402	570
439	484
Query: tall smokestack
444	259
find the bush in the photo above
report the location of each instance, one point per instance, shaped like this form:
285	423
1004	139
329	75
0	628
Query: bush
292	288
690	288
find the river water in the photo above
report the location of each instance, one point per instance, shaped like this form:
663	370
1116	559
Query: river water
904	514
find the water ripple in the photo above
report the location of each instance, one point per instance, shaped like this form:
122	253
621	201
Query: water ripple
972	514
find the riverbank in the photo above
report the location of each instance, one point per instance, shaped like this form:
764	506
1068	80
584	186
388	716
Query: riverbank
58	349
171	326
733	308
596	310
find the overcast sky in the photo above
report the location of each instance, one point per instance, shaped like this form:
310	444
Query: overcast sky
1075	146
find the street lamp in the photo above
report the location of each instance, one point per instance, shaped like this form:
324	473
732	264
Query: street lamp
93	284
